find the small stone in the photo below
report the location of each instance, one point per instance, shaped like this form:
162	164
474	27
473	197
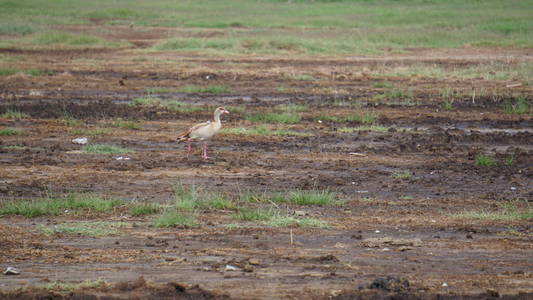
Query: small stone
231	268
300	213
80	141
254	261
469	236
444	284
11	271
493	293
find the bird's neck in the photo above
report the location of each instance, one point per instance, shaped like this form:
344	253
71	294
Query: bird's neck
217	118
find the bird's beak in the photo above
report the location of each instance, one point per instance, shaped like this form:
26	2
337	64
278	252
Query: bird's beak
226	112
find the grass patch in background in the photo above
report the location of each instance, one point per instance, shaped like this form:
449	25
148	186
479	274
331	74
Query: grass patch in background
119	123
519	106
144	209
104	149
375	128
292	108
330	26
90	132
14	114
177	106
92	229
483	160
210	89
258	214
14	147
145	101
307	197
68	286
174	218
58	205
508	212
263	130
405	174
285	118
10	132
288	221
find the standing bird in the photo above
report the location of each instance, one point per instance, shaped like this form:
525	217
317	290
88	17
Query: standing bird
203	131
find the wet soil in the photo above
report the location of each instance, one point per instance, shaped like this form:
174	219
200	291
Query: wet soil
388	225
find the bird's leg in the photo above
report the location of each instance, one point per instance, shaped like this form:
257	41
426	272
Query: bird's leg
188	148
204	156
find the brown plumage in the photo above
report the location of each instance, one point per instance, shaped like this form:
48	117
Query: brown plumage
203	131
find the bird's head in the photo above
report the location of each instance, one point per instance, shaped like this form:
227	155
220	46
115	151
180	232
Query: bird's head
221	110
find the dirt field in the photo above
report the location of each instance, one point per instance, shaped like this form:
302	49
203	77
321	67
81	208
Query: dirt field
389	225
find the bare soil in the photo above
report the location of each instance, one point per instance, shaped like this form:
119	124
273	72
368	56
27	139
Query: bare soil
388	226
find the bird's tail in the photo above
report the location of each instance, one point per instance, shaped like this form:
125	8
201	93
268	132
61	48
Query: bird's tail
184	137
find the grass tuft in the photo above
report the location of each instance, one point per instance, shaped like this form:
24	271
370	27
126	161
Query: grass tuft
406	174
10	132
374	128
144	209
14	114
263	130
119	123
307	197
482	160
67	286
519	106
292	108
288	221
259	214
145	101
177	106
56	206
104	149
211	89
286	118
174	218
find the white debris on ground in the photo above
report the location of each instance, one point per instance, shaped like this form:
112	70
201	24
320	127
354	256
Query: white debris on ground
80	141
11	271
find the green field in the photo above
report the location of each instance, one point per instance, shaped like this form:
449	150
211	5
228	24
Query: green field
269	26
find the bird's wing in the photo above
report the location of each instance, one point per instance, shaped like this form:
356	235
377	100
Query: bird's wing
186	135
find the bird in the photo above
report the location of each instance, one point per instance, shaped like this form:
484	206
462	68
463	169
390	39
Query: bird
203	132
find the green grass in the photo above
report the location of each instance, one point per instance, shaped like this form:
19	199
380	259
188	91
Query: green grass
174	218
482	160
145	101
254	215
191	198
366	118
292	108
104	149
307	197
177	106
59	38
8	28
119	123
58	205
375	128
211	89
318	27
302	77
14	147
447	105
285	118
10	132
395	94
519	106
70	286
71	121
263	130
90	132
144	209
508	212
14	114
405	174
92	229
383	84
288	221
239	109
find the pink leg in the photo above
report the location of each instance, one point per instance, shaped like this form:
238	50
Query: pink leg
204	156
188	148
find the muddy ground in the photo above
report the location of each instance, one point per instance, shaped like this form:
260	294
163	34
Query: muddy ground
387	226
